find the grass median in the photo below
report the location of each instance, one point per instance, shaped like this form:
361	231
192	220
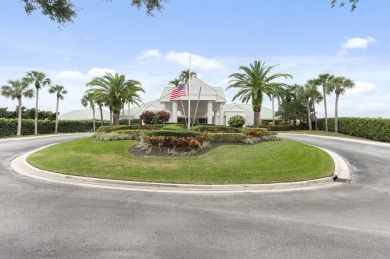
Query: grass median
268	162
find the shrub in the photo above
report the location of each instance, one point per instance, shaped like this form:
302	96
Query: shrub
112	136
215	129
236	121
132	122
8	127
371	128
173	127
302	126
149	117
130	127
226	137
174	133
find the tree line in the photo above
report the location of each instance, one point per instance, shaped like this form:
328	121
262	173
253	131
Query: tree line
296	102
16	89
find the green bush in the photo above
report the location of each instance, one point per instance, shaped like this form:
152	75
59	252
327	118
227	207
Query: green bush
8	127
371	128
226	137
302	126
130	127
236	121
112	136
173	127
132	122
174	133
215	129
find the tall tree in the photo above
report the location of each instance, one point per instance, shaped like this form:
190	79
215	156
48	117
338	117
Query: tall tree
315	97
339	85
253	83
88	99
117	89
186	74
323	80
64	11
17	89
40	80
60	91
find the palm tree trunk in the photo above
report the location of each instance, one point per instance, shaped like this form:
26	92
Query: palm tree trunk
256	118
19	128
36	113
128	106
93	118
326	109
273	110
336	115
315	115
101	115
308	114
56	129
110	115
116	117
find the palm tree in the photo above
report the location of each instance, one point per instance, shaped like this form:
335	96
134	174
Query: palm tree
339	85
323	80
132	96
175	82
88	99
315	97
17	89
255	82
186	74
40	80
60	91
117	89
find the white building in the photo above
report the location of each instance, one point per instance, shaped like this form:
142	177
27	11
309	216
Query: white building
207	105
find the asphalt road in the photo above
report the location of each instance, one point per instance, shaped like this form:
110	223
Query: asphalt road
44	219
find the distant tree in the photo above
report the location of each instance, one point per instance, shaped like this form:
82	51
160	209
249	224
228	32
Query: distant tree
88	99
40	80
185	75
17	89
323	80
253	83
59	91
339	85
341	3
117	90
64	11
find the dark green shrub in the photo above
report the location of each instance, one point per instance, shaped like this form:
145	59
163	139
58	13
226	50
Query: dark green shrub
132	122
302	126
215	129
8	127
174	127
371	128
174	133
226	137
236	121
130	127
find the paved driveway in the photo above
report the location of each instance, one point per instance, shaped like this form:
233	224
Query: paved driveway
44	219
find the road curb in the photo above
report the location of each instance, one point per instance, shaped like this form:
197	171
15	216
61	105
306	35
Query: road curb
21	166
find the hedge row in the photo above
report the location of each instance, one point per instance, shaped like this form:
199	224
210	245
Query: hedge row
8	127
371	128
226	137
287	127
214	128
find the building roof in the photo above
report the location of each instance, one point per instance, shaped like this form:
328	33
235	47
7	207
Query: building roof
266	114
84	114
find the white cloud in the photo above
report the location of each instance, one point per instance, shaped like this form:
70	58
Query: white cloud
197	61
362	88
70	75
371	107
149	54
95	72
357	43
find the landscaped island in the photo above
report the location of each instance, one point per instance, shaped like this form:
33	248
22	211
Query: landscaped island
261	160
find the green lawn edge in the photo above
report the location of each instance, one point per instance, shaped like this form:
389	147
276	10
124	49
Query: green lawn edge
268	162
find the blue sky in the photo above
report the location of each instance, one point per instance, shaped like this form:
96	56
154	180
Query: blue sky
304	37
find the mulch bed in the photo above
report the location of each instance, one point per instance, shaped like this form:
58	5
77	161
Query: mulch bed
163	152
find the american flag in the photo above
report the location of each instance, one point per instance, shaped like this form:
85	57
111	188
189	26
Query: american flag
180	90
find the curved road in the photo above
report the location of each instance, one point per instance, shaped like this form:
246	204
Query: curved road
44	219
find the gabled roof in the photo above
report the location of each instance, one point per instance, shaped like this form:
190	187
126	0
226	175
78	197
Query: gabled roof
84	114
136	109
265	112
218	90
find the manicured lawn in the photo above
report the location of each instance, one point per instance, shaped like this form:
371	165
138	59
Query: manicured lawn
269	162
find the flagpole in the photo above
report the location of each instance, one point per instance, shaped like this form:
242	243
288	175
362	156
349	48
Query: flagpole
189	96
